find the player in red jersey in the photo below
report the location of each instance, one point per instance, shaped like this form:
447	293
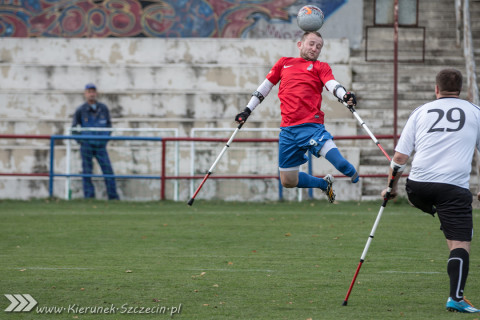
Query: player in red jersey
302	128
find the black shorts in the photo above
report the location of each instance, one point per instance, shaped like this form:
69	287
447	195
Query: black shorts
453	205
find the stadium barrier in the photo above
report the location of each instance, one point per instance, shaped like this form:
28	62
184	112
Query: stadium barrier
197	167
52	173
144	131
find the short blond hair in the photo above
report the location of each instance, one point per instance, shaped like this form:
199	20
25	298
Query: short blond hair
309	32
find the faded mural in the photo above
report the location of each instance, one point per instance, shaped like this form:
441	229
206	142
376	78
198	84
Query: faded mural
155	18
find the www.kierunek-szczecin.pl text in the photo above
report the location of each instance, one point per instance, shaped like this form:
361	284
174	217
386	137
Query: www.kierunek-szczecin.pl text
112	309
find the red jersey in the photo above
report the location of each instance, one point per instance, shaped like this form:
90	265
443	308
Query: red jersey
300	91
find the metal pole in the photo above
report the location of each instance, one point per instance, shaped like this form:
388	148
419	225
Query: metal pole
162	181
177	166
395	72
192	161
469	55
458	22
52	164
67	166
310	172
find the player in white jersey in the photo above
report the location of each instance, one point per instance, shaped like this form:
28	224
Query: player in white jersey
444	134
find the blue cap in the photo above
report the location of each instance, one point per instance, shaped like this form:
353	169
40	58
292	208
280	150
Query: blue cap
90	86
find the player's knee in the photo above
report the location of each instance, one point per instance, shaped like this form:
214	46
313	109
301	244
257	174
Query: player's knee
289	179
289	183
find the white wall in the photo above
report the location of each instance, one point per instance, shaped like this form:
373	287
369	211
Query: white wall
175	83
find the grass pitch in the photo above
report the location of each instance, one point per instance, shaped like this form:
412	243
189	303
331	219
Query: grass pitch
223	260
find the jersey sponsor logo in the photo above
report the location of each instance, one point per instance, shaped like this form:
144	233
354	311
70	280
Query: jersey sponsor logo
285	67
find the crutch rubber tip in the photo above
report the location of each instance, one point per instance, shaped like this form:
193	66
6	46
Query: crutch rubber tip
191	202
344	303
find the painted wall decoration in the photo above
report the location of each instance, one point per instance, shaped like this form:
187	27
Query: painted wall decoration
155	18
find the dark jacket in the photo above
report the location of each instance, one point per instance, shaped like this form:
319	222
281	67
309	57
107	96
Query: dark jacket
86	117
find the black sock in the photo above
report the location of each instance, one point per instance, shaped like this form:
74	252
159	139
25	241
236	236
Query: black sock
457	268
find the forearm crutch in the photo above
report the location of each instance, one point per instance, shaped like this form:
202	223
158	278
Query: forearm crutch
365	127
190	202
372	233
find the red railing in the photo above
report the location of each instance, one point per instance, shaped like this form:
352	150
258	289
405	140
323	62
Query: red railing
164	141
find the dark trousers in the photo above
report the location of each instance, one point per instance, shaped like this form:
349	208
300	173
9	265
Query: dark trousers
89	152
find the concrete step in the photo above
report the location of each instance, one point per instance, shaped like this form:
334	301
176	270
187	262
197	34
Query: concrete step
372	115
119	78
437	59
372	188
134	104
183	107
136	51
402	95
158	51
423	78
367	103
375	156
207	78
380	168
434	56
373	152
382	86
60	126
360	66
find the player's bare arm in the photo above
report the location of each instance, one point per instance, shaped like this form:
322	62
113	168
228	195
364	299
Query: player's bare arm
399	160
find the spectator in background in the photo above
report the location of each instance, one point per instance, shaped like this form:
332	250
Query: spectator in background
94	114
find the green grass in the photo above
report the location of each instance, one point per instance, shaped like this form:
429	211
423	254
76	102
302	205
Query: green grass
227	260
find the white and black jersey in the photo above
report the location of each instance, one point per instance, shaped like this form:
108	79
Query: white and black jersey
444	134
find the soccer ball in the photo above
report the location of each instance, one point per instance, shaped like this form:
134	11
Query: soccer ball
310	18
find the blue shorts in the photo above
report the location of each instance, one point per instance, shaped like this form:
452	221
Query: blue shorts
295	141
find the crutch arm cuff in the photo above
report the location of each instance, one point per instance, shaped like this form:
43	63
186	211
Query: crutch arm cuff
399	167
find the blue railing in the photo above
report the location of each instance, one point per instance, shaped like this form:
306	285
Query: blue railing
52	173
